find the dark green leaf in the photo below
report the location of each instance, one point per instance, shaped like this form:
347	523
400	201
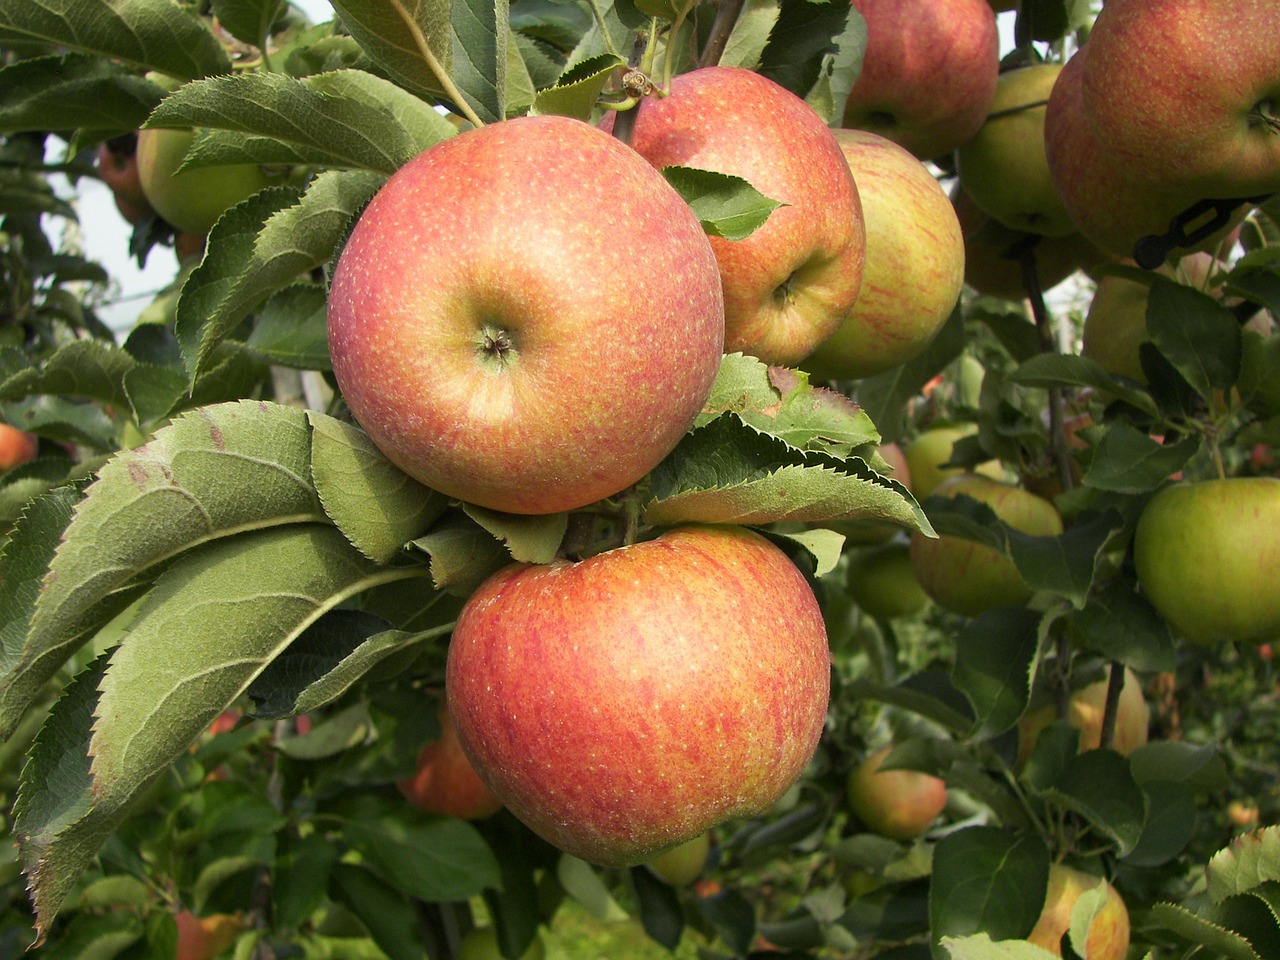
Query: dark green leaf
996	653
1196	333
987	880
1098	785
1172	821
661	914
725	205
74	91
1126	460
1120	623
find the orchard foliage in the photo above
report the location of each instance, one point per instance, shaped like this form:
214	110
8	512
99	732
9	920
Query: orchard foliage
222	609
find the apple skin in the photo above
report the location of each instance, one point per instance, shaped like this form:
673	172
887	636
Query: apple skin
929	72
662	688
681	866
508	339
1108	203
1178	113
192	201
1087	705
914	270
16	447
969	577
899	804
482	944
1003	166
788	285
882	583
931	448
117	166
202	938
1205	553
445	783
1108	936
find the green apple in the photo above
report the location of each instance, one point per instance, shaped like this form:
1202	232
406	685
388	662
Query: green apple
1173	108
482	944
899	804
1107	936
1086	713
682	865
968	577
1003	166
789	284
1108	202
444	782
192	200
490	339
930	451
914	268
882	583
928	74
1205	553
624	704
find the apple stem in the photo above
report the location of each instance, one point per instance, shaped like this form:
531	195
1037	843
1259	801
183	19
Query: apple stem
727	13
1115	683
604	28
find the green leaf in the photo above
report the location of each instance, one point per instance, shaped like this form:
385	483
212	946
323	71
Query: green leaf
529	539
725	205
248	20
343	118
1196	333
1120	623
1126	460
375	504
996	653
1070	370
261	246
1171	823
1099	786
822	545
1218	940
388	915
1250	861
661	914
576	92
149	34
432	858
914	701
299	877
212	473
805	33
986	880
462	553
838	70
750	34
1199	766
581	881
887	396
73	91
80	368
781	402
979	946
290	328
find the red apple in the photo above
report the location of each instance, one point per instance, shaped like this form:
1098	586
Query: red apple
627	703
914	268
968	577
1108	932
929	72
899	804
117	165
1173	108
788	285
202	938
445	782
16	447
1206	554
530	337
192	200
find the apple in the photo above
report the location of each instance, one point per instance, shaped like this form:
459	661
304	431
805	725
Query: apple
928	74
1105	198
788	285
992	253
16	447
882	583
968	577
193	200
914	269
931	449
481	943
1173	109
899	804
1086	708
509	338
1003	166
445	783
117	166
626	703
682	865
1108	932
1205	553
202	938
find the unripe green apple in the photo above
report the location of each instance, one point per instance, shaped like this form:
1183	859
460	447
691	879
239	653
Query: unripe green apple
1206	554
482	944
627	703
682	865
1108	932
1003	167
899	804
1087	706
882	583
192	200
968	577
931	449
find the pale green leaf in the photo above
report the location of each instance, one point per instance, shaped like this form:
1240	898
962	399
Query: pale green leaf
290	329
1220	941
1250	861
529	539
462	554
376	505
750	34
979	946
725	205
576	92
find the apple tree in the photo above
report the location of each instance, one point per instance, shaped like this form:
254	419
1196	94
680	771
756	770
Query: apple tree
287	601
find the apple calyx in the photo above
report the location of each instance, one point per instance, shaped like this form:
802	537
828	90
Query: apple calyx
1264	114
496	346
